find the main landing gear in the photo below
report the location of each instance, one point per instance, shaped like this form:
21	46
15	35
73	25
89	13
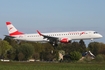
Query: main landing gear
54	44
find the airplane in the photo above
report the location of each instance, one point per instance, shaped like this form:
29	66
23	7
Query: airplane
53	38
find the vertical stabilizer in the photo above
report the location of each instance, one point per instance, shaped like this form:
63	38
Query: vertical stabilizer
12	30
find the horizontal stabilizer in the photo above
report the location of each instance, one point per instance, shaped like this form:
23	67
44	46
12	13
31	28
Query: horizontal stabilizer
9	36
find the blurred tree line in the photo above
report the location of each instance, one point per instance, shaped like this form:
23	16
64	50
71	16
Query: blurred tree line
10	49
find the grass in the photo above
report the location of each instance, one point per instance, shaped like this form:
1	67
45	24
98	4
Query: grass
50	66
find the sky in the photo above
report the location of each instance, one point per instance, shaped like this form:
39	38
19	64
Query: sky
53	15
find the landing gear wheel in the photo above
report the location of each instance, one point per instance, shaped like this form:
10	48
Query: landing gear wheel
55	45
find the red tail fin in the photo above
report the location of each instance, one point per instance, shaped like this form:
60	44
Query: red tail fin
12	30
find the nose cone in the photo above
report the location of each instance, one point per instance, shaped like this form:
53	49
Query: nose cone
100	36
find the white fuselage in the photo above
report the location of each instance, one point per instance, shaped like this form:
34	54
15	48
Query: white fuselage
63	37
75	35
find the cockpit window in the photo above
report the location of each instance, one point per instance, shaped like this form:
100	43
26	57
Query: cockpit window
95	32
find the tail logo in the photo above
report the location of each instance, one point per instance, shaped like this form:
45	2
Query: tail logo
82	33
10	28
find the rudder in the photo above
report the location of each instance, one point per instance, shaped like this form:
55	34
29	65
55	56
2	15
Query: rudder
12	30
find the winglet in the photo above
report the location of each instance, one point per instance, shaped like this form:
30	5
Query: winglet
39	33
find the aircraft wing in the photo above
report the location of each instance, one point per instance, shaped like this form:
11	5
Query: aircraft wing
48	37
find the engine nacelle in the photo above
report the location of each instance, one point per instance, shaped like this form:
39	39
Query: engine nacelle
65	40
